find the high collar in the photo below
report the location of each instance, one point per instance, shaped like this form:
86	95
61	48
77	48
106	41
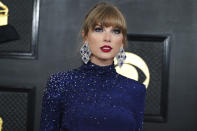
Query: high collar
97	69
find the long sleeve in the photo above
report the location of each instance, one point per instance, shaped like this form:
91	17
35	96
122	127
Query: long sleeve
140	101
50	115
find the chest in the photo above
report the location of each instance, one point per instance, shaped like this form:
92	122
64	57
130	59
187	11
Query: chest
100	101
100	92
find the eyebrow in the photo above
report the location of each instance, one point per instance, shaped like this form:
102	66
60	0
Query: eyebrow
108	26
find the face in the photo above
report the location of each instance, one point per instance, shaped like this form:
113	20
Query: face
104	43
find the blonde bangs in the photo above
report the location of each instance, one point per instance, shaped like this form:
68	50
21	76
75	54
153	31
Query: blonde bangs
108	17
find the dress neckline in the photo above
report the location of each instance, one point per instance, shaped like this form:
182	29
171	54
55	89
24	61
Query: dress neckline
95	69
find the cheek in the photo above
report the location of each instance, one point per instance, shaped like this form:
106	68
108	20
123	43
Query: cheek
91	38
94	41
118	41
121	39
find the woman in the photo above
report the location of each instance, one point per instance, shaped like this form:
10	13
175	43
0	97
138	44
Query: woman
94	97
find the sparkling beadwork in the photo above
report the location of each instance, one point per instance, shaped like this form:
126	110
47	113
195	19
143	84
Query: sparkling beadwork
121	56
92	98
85	53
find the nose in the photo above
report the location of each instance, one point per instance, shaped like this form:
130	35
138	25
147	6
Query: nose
107	37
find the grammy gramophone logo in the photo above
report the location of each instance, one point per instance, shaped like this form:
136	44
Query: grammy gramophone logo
7	31
3	14
129	68
1	124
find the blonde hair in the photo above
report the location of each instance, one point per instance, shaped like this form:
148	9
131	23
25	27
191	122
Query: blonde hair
106	15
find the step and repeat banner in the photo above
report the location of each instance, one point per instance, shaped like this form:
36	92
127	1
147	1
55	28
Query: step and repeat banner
18	40
147	62
18	28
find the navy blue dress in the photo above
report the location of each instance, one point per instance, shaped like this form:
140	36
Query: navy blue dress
92	98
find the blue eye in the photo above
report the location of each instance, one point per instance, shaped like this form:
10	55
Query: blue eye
98	29
116	31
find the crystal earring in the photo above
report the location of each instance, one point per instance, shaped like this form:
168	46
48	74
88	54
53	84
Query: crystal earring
121	56
85	52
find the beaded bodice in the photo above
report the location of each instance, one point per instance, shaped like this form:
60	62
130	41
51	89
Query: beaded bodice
92	98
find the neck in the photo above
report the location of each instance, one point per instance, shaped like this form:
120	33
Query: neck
101	62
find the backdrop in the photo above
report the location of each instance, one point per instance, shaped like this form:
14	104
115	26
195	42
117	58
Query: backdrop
49	42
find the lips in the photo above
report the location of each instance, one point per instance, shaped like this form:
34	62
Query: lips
106	48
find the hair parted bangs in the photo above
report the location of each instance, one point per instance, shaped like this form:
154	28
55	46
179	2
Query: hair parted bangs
105	15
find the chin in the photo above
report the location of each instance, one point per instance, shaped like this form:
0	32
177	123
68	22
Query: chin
105	56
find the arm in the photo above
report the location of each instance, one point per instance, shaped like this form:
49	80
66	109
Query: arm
50	116
140	104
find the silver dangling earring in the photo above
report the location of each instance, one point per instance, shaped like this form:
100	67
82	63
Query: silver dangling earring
121	56
85	52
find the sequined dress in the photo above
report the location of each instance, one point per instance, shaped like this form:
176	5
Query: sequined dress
92	98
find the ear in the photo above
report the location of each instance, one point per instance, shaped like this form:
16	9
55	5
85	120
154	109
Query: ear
122	45
83	35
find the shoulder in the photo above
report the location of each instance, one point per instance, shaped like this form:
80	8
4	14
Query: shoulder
58	82
133	85
63	76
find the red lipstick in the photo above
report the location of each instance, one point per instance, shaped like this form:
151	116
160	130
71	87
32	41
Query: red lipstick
106	48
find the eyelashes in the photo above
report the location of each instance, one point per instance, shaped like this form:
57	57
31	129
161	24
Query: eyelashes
100	29
116	31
